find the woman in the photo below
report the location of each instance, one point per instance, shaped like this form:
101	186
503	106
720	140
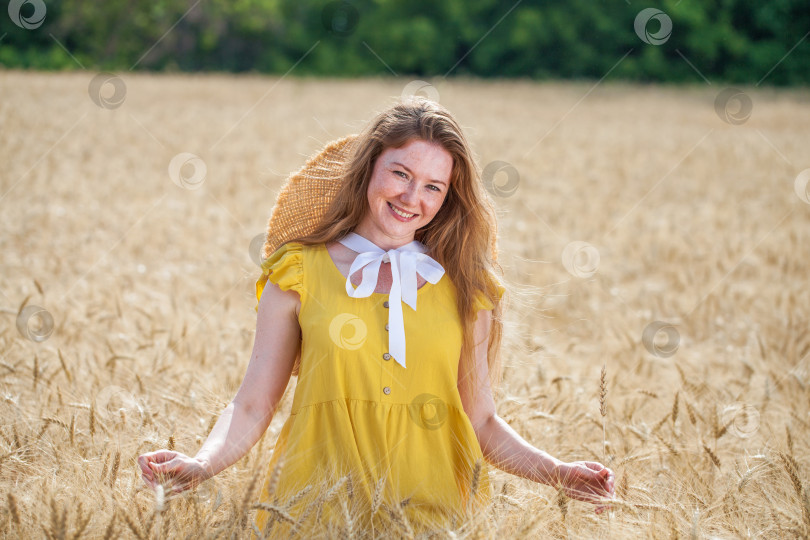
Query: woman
395	401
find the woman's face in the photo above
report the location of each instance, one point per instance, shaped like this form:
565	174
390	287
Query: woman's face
408	186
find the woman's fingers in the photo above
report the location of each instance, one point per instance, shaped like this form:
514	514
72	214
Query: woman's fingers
175	471
143	463
611	483
604	475
149	481
162	456
593	465
158	466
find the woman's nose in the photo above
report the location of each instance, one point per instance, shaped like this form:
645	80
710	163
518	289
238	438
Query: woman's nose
409	195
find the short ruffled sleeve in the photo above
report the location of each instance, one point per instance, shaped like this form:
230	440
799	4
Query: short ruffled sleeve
284	268
482	302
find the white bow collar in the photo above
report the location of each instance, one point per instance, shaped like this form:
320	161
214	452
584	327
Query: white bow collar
405	261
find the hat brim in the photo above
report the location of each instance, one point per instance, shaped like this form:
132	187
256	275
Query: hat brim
306	195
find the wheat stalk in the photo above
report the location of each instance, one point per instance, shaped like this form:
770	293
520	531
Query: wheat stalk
316	504
712	455
114	470
603	407
674	412
398	516
92	419
277	513
476	477
295	499
109	532
13	510
272	484
562	503
348	529
376	499
136	530
72	429
690	411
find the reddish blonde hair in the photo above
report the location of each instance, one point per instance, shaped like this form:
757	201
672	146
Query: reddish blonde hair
462	235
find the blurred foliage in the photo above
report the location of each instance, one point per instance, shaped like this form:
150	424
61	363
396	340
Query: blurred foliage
739	41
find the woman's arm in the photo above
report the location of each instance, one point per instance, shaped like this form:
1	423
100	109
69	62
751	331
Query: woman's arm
507	450
246	418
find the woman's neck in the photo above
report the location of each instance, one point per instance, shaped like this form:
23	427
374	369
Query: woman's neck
381	240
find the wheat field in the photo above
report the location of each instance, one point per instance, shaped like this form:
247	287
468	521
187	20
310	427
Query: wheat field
657	233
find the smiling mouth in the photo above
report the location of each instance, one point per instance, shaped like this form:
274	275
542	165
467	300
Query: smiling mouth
397	211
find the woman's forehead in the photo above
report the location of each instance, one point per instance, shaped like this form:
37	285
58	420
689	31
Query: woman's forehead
422	158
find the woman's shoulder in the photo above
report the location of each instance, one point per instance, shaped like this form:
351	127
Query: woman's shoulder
285	268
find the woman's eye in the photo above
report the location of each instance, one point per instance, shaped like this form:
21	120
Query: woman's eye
400	173
434	188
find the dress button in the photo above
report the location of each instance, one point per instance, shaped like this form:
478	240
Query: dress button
386	390
385	304
386	327
386	356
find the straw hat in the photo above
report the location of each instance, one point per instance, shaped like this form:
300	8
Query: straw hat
305	197
307	194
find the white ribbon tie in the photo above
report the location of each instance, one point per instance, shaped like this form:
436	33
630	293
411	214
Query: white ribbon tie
406	262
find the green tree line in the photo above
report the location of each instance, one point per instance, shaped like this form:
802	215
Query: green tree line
739	41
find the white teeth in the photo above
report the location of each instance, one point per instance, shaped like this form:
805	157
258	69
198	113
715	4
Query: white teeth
403	214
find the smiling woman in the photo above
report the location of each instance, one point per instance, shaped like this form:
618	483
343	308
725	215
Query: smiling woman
408	186
392	402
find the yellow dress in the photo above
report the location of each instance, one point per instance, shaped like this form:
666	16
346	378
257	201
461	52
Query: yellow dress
358	412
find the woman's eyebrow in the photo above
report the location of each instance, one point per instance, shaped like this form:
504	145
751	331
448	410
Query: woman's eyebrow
411	172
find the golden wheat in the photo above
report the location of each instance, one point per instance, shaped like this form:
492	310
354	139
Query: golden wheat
697	223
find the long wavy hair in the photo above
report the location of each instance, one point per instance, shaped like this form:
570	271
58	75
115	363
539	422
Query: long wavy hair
461	236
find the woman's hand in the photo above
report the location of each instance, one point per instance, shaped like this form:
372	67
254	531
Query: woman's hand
586	481
176	471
